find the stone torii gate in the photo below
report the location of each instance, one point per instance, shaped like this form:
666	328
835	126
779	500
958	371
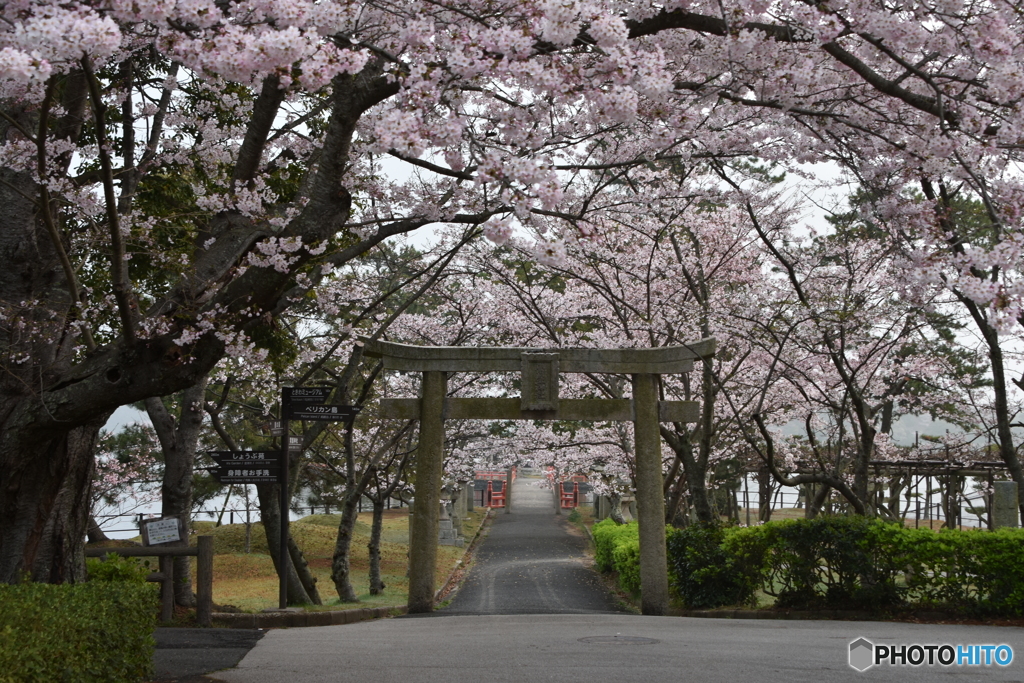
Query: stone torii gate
539	370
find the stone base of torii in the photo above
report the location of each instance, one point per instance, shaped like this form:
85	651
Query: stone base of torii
539	370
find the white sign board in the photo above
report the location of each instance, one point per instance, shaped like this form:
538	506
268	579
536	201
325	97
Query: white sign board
163	531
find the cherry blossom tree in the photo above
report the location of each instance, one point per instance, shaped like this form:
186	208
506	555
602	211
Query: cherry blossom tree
390	477
846	350
175	176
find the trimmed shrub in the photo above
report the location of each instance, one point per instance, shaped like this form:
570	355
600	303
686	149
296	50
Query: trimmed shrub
626	559
837	562
617	548
831	562
101	632
977	572
1000	570
608	535
116	568
851	562
705	574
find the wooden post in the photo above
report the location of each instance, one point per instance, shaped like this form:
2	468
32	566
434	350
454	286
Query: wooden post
167	588
284	559
508	491
429	465
204	581
650	496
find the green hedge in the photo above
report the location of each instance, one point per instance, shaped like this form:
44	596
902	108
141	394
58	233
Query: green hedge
704	574
608	535
617	548
626	559
101	631
850	562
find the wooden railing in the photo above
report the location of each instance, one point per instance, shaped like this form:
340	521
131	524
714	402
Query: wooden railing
203	552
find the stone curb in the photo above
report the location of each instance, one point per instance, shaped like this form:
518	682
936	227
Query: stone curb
824	614
294	619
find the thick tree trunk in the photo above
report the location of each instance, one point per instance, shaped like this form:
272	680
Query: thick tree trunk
896	486
301	569
675	498
695	478
341	571
615	508
695	472
376	584
178	439
45	473
44	503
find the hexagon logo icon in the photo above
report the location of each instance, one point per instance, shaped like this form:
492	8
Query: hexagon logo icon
862	654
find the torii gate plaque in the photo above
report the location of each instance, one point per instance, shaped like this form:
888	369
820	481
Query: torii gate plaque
539	401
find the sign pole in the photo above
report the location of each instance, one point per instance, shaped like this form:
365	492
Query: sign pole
301	403
285	559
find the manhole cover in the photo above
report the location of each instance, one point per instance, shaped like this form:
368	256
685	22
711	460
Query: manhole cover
625	640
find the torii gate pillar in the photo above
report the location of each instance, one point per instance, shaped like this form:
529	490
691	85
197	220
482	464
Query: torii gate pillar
650	497
429	467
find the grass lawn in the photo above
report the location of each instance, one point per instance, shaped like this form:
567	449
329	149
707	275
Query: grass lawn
248	580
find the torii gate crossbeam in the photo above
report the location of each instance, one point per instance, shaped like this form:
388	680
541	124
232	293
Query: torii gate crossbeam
539	370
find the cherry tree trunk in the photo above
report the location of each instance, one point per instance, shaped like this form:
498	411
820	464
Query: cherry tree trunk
270	511
95	534
341	571
45	472
178	439
376	584
696	478
44	499
615	508
765	490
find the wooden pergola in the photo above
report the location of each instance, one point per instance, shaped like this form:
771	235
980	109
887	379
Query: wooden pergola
539	370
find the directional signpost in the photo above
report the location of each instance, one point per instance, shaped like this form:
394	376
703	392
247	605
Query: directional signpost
322	412
247	467
299	403
302	396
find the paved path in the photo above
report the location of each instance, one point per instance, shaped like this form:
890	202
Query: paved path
584	648
184	654
532	562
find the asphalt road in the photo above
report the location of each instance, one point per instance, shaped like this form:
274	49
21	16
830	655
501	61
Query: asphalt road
531	562
183	655
584	648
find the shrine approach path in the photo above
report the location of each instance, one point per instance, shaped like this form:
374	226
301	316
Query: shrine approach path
531	562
